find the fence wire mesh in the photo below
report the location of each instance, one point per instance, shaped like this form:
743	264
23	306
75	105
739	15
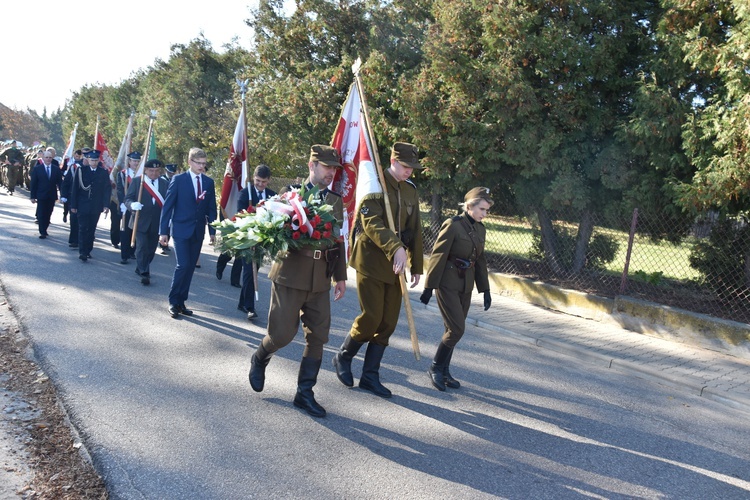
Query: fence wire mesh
697	264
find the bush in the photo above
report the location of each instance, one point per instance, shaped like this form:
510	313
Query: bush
601	251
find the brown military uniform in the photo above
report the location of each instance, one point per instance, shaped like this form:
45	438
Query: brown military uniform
372	255
300	290
456	265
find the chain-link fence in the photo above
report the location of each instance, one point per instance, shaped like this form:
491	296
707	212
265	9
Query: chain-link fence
697	264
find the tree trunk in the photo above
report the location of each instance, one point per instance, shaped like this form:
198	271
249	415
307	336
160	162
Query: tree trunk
585	230
549	241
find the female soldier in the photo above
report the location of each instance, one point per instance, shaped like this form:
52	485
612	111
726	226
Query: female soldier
457	262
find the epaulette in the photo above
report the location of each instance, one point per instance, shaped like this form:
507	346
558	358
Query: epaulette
457	218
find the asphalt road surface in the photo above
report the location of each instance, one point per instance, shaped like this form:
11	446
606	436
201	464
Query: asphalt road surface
165	409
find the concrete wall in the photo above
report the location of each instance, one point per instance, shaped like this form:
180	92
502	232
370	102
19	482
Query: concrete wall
649	318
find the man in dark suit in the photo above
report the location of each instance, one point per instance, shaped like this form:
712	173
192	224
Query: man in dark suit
250	196
300	291
90	192
189	206
46	179
147	204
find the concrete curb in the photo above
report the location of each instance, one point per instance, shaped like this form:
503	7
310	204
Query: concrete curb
640	316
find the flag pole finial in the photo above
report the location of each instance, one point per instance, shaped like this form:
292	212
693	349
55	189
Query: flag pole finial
152	116
243	87
357	65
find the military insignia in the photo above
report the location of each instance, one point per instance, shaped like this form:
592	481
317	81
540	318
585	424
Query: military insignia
364	210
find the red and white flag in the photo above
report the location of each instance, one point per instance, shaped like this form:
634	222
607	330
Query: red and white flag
358	178
101	145
68	154
235	175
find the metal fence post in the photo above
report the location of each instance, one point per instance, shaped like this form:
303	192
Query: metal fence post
624	281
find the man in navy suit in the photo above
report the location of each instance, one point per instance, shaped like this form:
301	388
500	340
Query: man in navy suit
190	205
250	196
46	179
147	203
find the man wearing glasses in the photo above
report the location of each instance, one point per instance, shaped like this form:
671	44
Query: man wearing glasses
189	206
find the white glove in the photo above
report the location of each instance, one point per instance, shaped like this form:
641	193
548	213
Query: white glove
135	206
64	200
123	208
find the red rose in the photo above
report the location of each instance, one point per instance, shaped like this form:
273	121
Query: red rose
251	209
296	235
316	220
328	226
233	219
315	235
326	234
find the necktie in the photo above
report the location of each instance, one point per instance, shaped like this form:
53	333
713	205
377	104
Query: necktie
198	182
260	195
48	172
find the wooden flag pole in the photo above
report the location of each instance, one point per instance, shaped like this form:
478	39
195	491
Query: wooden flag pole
152	118
388	211
119	168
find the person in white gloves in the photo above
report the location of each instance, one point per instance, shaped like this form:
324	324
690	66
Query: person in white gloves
146	215
124	181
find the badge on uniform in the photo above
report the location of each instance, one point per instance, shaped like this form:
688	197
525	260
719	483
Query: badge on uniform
364	210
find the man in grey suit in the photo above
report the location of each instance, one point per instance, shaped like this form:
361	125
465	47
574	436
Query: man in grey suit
147	203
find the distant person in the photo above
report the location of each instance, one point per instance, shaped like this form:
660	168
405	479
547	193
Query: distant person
148	212
456	265
190	205
124	179
89	198
46	179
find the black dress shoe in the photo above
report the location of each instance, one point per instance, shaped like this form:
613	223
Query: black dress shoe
137	271
184	310
83	258
219	274
251	315
145	280
124	261
89	256
243	309
174	311
42	236
65	217
236	285
197	266
116	245
73	245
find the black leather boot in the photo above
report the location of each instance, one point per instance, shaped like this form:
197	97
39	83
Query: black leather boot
342	360
438	366
305	398
258	364
370	379
450	381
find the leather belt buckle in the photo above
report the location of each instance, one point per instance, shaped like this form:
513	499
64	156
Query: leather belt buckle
317	254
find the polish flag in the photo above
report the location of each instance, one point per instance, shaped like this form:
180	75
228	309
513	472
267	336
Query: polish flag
235	175
106	158
358	178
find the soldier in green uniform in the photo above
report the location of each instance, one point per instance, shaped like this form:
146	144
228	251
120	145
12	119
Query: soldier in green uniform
456	264
300	290
379	255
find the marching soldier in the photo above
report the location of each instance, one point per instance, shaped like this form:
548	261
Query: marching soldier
456	265
379	255
124	179
300	290
89	197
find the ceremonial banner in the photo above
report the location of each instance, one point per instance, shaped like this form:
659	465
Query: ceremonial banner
122	155
68	154
358	178
235	175
101	145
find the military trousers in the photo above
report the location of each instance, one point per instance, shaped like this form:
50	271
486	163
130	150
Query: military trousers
146	243
380	304
454	307
87	222
288	307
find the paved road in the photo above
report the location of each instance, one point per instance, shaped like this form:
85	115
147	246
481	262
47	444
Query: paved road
551	406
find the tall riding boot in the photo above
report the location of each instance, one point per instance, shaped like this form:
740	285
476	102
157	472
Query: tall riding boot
450	381
258	364
342	360
370	379
438	366
305	398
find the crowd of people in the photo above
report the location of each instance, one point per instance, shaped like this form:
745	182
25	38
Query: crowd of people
159	205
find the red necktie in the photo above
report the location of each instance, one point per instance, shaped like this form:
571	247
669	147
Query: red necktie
198	180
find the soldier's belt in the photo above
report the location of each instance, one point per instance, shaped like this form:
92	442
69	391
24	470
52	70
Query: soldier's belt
462	263
326	254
